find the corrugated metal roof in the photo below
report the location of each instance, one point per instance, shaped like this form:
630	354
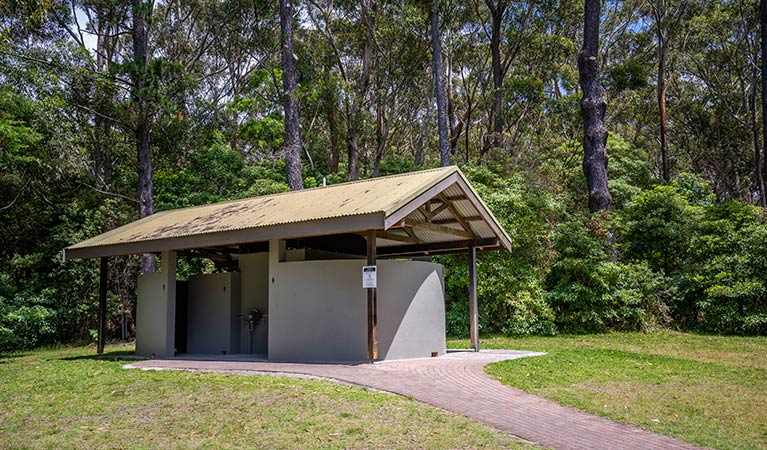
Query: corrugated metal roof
384	196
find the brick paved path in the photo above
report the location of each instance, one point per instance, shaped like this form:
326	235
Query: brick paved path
457	383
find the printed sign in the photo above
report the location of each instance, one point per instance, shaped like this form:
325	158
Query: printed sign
369	278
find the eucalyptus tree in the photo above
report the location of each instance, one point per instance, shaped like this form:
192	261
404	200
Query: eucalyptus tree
661	14
349	29
763	72
398	78
668	18
318	68
511	27
439	86
593	107
141	11
717	99
292	145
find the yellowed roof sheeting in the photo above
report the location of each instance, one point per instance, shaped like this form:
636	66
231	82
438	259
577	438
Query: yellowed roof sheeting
385	195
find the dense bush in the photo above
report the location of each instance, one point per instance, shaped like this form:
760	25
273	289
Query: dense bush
725	282
509	286
656	227
591	293
713	255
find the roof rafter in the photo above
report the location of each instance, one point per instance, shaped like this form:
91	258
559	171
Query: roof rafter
442	229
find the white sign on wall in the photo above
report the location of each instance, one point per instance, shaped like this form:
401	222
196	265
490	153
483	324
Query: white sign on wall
369	278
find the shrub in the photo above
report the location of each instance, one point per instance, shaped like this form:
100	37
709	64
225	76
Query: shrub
590	293
656	227
725	284
510	292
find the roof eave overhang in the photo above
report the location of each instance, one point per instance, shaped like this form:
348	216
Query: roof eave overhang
334	225
471	194
397	216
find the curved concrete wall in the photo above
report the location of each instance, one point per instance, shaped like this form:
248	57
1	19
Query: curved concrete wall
318	310
411	309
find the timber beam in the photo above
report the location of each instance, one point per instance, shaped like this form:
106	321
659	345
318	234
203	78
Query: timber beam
439	247
465	225
441	229
391	236
453	220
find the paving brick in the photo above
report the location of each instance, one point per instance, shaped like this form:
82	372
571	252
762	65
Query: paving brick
457	383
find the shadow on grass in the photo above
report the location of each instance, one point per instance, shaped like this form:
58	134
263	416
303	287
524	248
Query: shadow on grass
8	357
110	356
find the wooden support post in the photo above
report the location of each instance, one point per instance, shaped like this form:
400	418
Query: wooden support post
102	319
372	302
473	319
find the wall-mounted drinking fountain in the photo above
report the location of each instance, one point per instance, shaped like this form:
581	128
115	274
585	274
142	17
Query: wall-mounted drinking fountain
252	318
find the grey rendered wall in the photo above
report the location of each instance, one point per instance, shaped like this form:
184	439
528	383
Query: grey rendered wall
411	309
318	311
254	275
214	303
152	319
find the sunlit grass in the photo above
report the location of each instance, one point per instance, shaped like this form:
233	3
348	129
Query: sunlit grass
65	398
708	390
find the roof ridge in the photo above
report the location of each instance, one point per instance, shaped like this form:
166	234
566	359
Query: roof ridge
277	194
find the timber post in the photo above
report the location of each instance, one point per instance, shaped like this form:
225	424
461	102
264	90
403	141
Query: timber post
102	319
372	301
473	315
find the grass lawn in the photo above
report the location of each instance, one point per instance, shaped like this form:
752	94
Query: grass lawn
707	390
64	398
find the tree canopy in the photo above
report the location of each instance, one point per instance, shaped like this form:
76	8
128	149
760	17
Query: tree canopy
110	110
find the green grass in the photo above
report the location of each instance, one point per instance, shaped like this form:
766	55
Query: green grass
65	398
707	390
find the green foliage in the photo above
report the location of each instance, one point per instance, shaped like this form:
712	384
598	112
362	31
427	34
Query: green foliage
695	189
590	293
629	171
17	135
725	285
510	291
629	76
266	133
216	174
714	253
656	227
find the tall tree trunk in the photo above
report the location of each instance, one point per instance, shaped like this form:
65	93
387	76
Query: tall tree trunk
352	147
101	126
142	124
292	145
497	11
331	115
382	136
760	185
763	26
354	111
439	86
456	127
661	29
234	141
418	157
593	107
467	134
